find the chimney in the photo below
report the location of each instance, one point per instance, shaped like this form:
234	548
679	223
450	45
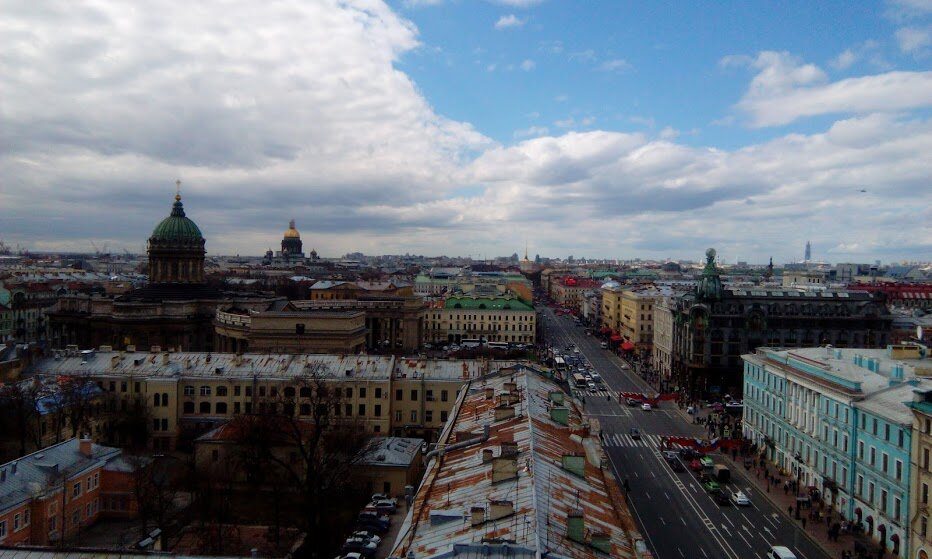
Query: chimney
602	542
86	446
114	361
575	528
504	412
556	397
560	415
489	393
165	358
130	348
574	464
504	468
487	455
476	515
500	509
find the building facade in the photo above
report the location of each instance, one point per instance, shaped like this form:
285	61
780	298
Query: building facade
715	325
290	331
838	420
494	319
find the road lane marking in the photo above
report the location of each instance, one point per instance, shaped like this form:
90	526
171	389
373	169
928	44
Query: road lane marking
681	552
662	520
646	494
668	495
703	551
725	516
683	520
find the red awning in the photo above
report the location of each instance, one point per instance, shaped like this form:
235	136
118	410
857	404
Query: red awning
605	330
616	338
627	346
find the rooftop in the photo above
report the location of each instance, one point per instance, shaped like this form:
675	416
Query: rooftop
490	303
532	487
391	451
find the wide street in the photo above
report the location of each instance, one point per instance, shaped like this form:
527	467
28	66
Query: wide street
678	518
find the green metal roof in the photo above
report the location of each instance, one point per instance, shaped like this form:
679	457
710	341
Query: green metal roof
486	303
176	227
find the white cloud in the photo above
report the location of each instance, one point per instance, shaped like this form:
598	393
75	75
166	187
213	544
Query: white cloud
565	123
508	21
528	65
785	90
615	65
562	98
587	55
642	120
552	47
844	60
532	131
914	40
669	133
518	3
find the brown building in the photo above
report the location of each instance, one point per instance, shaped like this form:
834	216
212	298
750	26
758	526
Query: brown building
177	308
289	330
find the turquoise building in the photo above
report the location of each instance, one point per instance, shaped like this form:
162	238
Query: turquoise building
838	421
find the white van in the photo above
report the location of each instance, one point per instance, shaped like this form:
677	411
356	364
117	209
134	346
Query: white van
780	552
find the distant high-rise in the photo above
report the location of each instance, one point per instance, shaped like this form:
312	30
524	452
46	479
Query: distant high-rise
808	251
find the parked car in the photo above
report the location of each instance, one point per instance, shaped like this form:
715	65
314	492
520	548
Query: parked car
359	545
371	525
720	497
375	518
367	535
383	506
740	499
646	407
381	497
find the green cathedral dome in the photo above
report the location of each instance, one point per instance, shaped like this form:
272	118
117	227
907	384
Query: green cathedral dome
176	227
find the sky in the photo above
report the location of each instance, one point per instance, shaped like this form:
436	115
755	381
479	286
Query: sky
602	129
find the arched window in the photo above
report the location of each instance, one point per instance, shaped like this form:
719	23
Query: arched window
157	400
189	407
221	391
205	391
305	409
305	392
221	407
164	398
204	407
288	409
289	392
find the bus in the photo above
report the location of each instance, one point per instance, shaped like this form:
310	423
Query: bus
559	363
472	343
497	345
580	381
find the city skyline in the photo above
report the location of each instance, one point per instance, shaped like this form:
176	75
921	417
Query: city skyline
440	127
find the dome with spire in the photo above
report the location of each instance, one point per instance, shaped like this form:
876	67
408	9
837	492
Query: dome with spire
292	233
176	228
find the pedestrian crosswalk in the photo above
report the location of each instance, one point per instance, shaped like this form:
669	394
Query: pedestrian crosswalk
645	441
603	392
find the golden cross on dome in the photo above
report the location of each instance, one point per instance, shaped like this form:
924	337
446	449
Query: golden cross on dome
178	189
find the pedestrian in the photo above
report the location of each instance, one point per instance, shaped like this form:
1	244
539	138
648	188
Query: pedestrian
789	510
804	522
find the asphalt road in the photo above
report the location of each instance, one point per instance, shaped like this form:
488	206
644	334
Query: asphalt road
677	516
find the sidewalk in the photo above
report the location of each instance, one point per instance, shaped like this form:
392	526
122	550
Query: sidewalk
816	530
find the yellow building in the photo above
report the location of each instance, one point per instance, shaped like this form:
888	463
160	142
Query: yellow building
495	319
187	394
290	331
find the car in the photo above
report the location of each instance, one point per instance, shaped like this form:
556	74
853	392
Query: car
711	486
676	465
707	462
591	385
374	517
646	407
385	506
740	499
670	455
635	433
780	552
367	535
372	525
695	465
720	497
359	545
631	402
381	497
690	454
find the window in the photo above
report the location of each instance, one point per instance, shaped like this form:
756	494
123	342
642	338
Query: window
289	392
870	493
428	416
378	410
349	392
2	529
398	394
378	392
76	517
900	438
16	521
221	407
896	508
924	494
189	407
123	386
164	428
349	410
443	417
305	392
874	428
886	432
236	407
898	473
362	392
136	387
222	391
873	461
205	391
157	400
204	407
861	450
430	395
249	391
414	395
189	391
883	501
305	409
444	395
413	416
76	490
262	391
155	424
27	518
215	455
924	526
362	410
885	462
236	390
925	459
164	398
398	416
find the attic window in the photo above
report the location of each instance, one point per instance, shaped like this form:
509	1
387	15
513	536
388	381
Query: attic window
457	306
481	305
507	306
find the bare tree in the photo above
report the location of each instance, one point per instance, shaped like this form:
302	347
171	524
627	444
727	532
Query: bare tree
74	403
131	427
300	440
20	416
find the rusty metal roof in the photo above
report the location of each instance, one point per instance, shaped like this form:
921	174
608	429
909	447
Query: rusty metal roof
495	498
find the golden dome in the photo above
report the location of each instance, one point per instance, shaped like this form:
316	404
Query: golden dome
292	233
